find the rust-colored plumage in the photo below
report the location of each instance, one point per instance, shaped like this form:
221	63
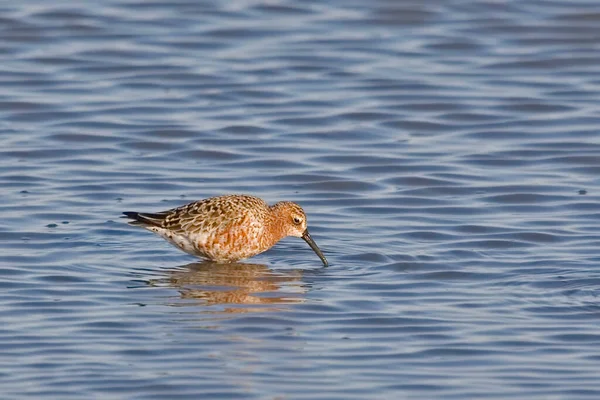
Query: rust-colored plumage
228	228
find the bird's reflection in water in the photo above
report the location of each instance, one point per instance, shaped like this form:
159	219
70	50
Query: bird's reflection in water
237	287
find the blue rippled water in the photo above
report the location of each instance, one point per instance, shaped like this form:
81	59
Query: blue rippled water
447	154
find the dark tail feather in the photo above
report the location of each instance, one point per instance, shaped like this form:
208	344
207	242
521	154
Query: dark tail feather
154	219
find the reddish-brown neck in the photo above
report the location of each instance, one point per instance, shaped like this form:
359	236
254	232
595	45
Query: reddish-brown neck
277	226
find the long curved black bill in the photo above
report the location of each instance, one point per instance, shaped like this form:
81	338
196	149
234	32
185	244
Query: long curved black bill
313	245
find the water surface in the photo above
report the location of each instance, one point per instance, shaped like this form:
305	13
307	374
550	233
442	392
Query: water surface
446	152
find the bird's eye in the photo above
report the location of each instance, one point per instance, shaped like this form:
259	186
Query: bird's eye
297	220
